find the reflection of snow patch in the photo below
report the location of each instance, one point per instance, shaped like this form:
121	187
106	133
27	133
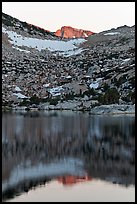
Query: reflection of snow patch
65	166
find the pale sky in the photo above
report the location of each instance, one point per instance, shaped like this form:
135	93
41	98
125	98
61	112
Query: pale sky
93	16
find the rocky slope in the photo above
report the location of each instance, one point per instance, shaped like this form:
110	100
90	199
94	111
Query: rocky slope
25	28
39	67
69	32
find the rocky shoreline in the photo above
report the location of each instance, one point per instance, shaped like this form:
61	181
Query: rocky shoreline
113	109
71	106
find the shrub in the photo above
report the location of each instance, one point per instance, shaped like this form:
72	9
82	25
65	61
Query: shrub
130	97
105	86
111	96
53	101
35	100
69	96
121	81
24	102
90	92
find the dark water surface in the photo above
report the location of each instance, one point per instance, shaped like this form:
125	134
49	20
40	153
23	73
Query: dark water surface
50	151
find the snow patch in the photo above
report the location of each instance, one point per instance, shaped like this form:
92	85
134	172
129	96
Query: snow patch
19	95
56	91
72	52
17	89
21	50
46	85
125	60
85	35
112	33
68	47
94	85
68	77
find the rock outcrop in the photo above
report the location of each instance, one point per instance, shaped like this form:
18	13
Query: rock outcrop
69	32
113	109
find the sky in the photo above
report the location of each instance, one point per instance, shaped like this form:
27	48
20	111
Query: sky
93	16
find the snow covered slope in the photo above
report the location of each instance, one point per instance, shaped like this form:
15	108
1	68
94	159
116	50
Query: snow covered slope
65	47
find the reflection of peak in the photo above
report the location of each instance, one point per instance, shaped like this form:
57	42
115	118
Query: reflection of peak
69	180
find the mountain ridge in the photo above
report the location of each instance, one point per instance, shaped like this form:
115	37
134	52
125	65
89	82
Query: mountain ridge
69	31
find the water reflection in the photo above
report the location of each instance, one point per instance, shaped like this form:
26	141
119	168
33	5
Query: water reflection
71	180
88	191
38	147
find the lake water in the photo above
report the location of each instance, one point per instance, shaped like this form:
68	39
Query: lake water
66	156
